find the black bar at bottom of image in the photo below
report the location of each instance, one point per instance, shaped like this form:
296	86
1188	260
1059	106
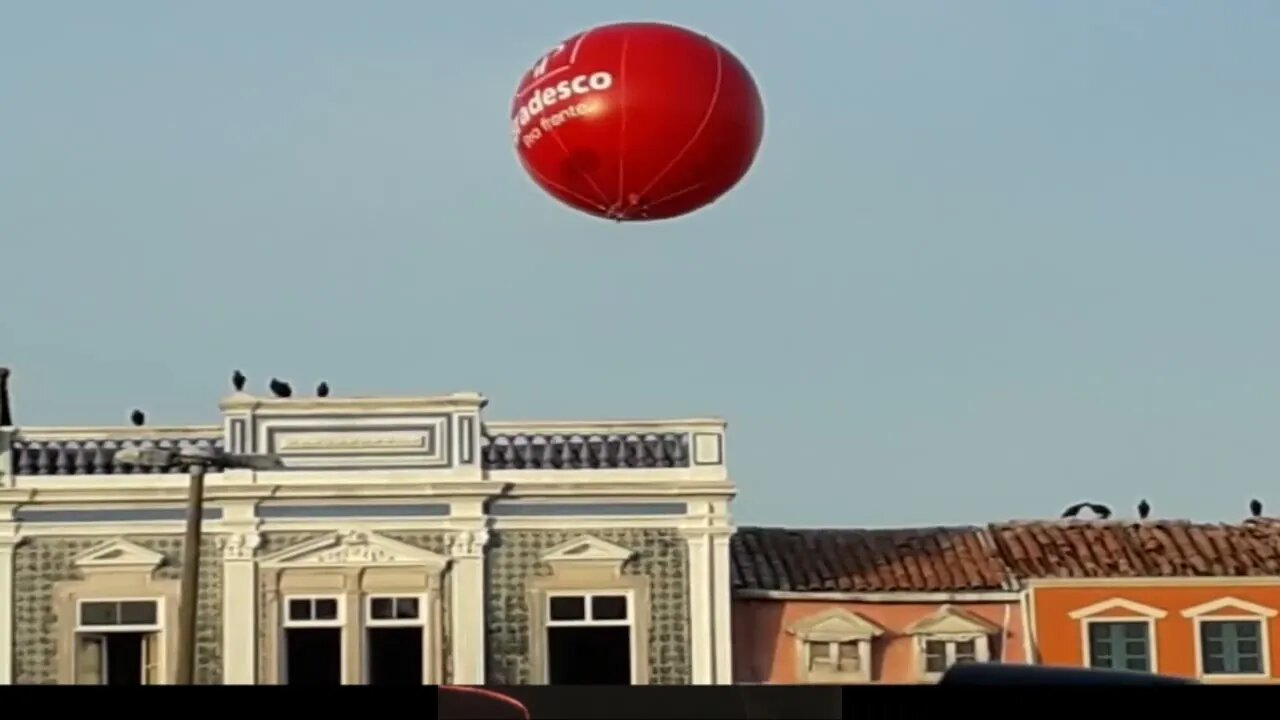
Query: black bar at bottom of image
538	702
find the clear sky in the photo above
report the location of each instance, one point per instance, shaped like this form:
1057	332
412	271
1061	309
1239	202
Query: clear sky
994	257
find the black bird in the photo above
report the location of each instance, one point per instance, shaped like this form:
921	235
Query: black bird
1102	511
322	390
6	416
1144	509
280	389
1255	505
237	381
137	418
1074	510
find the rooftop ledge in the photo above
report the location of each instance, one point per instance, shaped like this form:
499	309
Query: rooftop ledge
422	422
244	402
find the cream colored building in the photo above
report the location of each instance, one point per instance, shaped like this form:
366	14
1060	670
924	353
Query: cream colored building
404	540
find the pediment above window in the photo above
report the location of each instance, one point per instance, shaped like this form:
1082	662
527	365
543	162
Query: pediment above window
587	553
950	620
118	555
1119	608
354	548
1229	606
835	625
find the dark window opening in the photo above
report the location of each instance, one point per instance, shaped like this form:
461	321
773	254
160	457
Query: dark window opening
393	608
116	658
313	609
589	655
568	607
313	656
125	662
108	613
395	656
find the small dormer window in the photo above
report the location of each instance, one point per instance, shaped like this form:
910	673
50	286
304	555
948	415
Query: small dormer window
834	646
949	636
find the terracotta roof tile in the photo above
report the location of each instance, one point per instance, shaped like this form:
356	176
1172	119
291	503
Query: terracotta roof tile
940	559
1173	548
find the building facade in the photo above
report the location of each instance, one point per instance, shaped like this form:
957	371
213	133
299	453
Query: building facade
1177	598
870	606
404	540
849	606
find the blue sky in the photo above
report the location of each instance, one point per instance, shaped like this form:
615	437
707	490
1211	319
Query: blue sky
994	257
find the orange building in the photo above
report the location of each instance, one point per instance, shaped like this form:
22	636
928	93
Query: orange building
1171	597
869	606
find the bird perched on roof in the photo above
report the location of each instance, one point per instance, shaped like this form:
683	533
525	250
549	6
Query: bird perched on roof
322	390
1074	510
1144	509
1102	511
6	417
137	418
280	389
237	381
1255	505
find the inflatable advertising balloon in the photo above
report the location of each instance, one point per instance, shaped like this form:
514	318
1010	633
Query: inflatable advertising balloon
637	121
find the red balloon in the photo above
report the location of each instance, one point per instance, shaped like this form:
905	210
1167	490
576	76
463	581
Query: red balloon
637	121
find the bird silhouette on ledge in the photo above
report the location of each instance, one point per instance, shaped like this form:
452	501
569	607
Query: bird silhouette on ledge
322	390
280	389
1144	509
137	418
1255	508
1101	511
237	381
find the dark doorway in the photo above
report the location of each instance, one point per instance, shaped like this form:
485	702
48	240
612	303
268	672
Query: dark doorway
313	656
589	655
125	661
395	656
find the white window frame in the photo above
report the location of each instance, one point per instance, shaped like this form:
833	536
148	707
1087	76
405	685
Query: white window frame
981	650
1153	655
588	595
156	628
287	623
370	623
1264	672
1245	611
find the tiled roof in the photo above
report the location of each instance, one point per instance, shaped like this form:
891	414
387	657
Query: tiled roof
960	559
1170	548
941	559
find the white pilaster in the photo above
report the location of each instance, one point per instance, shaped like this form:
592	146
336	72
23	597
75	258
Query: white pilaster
8	544
466	606
722	592
701	607
240	595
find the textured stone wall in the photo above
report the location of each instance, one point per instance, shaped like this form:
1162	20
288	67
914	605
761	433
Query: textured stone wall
436	542
41	562
513	557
